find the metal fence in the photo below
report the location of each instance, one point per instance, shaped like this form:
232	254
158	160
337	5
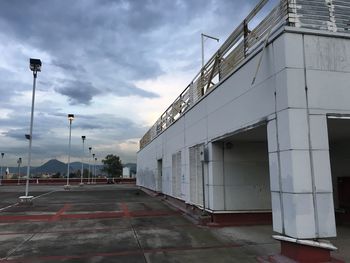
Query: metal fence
329	15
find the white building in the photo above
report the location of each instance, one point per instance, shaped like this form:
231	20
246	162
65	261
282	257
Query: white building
279	143
126	172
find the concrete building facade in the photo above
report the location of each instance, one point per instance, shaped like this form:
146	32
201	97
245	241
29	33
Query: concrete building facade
269	134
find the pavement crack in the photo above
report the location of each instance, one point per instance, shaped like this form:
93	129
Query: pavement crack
127	214
11	252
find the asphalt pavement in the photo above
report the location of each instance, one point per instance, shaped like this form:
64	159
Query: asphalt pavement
118	223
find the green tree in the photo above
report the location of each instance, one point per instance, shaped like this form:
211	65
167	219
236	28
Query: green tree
86	173
56	175
112	165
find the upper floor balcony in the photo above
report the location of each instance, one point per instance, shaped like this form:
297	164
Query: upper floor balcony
325	15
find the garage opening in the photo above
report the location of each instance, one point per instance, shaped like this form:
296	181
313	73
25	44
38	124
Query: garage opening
159	181
239	181
339	150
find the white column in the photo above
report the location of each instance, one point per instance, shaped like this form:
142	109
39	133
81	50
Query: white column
216	184
300	176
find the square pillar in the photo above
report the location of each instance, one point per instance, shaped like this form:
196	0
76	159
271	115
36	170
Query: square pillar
216	189
300	176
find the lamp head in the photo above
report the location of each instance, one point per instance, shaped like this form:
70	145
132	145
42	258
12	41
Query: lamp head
70	117
93	155
83	137
35	64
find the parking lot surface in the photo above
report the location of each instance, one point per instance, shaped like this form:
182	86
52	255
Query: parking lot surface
116	223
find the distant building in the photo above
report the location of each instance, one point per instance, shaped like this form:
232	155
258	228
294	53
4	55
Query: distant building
8	175
126	172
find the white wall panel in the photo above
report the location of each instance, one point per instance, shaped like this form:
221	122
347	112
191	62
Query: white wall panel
234	105
327	53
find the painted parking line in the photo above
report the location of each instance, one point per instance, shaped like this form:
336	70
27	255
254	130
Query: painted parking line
7	207
13	218
119	253
36	197
146	213
61	215
93	215
93	229
125	209
60	212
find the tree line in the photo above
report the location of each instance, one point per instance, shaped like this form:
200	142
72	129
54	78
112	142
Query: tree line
112	166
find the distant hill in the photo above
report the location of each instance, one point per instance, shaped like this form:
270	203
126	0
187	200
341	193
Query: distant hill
56	166
52	166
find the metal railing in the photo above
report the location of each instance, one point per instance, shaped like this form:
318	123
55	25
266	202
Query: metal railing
330	15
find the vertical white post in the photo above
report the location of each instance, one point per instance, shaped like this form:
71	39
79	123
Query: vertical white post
19	161
95	171
69	147
90	148
31	133
82	162
202	43
93	168
2	156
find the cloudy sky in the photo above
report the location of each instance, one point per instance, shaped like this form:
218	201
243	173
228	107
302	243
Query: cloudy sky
115	64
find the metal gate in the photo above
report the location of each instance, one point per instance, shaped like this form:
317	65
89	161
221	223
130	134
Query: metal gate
196	187
176	174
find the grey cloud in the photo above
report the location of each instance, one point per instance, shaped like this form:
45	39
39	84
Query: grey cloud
102	41
125	90
110	126
68	66
19	134
100	47
78	92
10	86
104	128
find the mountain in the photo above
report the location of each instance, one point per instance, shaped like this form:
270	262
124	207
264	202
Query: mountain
52	166
75	166
55	166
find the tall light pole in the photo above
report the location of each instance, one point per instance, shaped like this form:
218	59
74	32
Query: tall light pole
19	162
35	66
202	38
82	162
93	169
70	119
90	148
2	157
202	42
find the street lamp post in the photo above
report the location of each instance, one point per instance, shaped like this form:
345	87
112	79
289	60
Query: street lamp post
93	169
82	163
35	66
19	162
202	42
90	148
2	157
202	38
70	119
